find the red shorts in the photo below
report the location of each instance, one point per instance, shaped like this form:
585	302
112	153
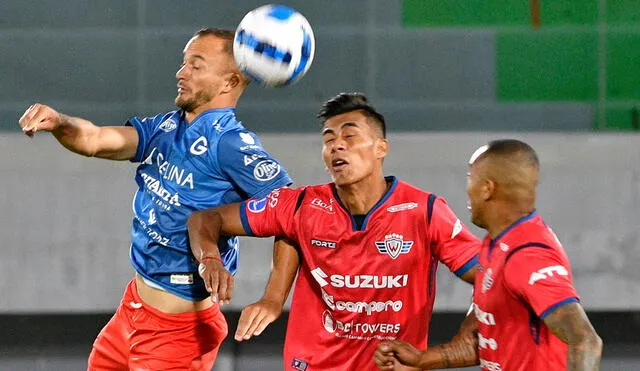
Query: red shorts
139	337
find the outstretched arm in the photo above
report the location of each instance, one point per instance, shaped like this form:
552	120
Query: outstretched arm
81	136
205	228
461	351
257	316
571	325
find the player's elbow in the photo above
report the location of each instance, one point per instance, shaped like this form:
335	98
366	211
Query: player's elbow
196	220
589	342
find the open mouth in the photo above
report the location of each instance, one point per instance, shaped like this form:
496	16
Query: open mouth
338	164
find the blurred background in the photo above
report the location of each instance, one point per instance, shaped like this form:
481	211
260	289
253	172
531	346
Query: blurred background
449	75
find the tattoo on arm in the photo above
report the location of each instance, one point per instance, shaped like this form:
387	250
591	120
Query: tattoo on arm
571	325
461	352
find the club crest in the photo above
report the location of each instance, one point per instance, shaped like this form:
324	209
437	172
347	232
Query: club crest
394	245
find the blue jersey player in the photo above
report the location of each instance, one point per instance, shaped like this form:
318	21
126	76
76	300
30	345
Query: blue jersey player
190	159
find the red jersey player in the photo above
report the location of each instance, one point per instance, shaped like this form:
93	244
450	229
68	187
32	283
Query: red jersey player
369	247
527	311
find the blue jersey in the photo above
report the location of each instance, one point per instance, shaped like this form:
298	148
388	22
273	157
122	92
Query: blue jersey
187	167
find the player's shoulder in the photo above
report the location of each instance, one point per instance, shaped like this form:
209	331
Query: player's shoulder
534	231
535	238
165	121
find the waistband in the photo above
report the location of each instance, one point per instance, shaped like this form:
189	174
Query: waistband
132	293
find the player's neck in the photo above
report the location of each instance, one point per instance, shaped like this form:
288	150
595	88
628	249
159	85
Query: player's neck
504	217
221	101
359	198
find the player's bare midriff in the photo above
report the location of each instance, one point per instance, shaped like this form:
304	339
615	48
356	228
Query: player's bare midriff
167	302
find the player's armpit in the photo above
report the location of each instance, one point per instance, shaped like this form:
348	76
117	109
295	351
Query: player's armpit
570	324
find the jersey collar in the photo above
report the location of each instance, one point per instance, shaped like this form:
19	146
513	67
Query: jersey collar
511	227
389	179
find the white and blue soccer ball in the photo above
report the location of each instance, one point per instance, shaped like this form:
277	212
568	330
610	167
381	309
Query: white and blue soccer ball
274	45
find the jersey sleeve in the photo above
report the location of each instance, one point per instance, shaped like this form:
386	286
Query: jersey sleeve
254	171
145	127
271	215
453	244
539	276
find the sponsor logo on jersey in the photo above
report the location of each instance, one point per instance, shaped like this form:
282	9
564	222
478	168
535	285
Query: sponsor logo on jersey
332	325
487	280
152	217
298	364
216	126
257	206
199	146
394	245
249	159
322	243
487	343
484	317
153	235
168	170
504	247
181	279
266	170
168	125
154	186
547	272
360	281
457	228
361	306
490	366
247	138
324	206
274	197
402	207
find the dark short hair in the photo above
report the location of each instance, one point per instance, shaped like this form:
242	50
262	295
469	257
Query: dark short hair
226	35
509	147
348	102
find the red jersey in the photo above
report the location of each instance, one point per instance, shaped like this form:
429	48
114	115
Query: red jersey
360	283
524	275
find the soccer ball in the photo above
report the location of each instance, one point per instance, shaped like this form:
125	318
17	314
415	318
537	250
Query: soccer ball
274	45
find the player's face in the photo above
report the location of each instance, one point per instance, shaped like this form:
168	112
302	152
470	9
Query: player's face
351	148
475	194
205	70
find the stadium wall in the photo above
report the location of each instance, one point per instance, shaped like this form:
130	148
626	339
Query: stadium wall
66	219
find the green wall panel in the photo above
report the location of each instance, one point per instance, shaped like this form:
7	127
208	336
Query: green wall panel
625	117
623	12
623	66
544	66
477	13
465	12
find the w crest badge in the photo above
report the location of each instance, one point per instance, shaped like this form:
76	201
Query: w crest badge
394	245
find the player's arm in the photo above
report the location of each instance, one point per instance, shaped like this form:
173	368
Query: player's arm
539	276
81	136
571	325
461	351
452	242
257	316
205	228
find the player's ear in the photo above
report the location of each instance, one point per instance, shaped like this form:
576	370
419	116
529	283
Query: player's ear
488	190
382	147
232	82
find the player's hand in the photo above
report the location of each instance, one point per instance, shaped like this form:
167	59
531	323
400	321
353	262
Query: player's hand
256	317
217	280
389	353
39	117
